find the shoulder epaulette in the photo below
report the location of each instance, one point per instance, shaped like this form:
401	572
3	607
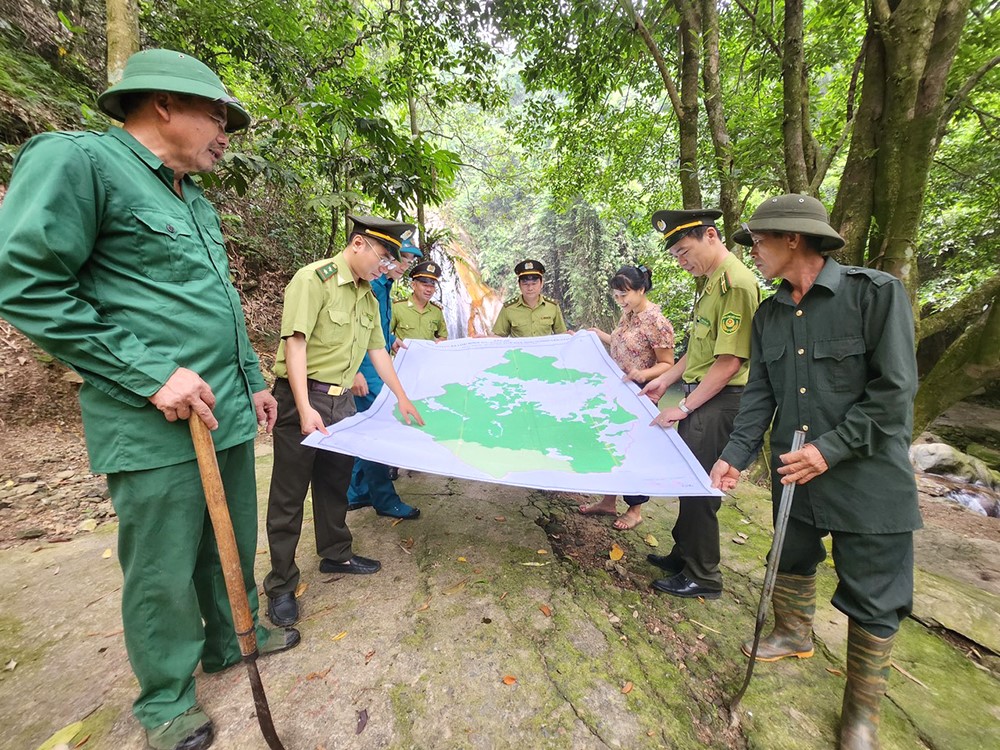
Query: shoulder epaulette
550	300
436	304
725	283
398	302
877	277
510	302
327	271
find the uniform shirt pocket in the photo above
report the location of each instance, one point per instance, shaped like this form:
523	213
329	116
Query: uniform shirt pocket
168	248
840	364
771	357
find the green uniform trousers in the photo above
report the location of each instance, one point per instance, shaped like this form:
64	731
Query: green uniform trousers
296	466
175	610
696	532
874	571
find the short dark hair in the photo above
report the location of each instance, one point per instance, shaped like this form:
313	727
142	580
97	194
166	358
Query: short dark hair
628	278
130	101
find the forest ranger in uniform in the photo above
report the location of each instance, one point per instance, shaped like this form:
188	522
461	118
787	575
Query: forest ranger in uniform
712	372
113	260
371	482
417	316
530	313
833	356
330	319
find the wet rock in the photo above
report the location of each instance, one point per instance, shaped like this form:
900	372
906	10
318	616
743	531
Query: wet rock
989	456
943	459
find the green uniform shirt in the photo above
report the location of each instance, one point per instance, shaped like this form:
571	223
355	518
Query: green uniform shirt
410	323
839	365
518	320
721	321
338	316
106	268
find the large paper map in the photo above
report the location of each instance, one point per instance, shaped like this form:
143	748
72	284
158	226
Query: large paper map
549	412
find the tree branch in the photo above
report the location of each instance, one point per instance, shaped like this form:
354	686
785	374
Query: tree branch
956	101
775	47
654	50
969	305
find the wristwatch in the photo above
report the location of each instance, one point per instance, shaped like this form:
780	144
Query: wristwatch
683	406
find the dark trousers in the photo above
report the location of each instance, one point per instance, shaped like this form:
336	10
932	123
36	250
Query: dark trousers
875	572
370	480
633	500
296	467
696	532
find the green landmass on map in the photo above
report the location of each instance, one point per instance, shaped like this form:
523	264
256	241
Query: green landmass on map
490	423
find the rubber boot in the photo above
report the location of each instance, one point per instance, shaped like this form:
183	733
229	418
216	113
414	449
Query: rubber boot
794	603
867	674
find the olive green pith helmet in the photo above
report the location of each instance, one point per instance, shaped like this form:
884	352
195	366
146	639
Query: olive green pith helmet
177	73
792	213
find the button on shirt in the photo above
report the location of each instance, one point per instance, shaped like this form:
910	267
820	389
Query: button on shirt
839	365
109	270
409	322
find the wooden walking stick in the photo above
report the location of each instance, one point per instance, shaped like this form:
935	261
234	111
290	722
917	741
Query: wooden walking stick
218	510
780	527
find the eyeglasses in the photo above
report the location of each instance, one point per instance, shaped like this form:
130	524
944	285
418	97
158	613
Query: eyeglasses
384	261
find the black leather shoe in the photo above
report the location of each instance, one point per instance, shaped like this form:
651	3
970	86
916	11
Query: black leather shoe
357	564
283	609
681	585
672	565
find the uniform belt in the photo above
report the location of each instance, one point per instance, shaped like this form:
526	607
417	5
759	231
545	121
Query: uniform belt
689	388
326	388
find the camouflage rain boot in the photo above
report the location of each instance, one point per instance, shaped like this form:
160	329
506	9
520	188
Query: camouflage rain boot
867	674
794	603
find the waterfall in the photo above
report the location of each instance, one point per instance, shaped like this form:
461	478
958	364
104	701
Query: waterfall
470	306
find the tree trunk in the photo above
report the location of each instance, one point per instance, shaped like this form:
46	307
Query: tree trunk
971	362
123	36
729	184
795	128
690	38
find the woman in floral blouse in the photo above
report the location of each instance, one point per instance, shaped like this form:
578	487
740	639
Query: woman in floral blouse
643	346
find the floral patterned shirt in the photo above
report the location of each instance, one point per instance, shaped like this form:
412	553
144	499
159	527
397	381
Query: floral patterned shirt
637	335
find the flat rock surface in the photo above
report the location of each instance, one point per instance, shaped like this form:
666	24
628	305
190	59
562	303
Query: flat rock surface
492	583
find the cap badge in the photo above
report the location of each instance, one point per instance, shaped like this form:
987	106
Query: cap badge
432	268
661	225
406	235
528	265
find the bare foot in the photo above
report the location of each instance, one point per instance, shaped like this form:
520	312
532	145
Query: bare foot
604	507
628	520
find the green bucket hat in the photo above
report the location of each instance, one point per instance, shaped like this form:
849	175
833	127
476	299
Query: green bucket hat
792	213
167	70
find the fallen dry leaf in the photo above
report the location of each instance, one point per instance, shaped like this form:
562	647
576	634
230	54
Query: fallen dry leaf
107	553
318	675
543	552
627	688
397	522
617	553
456	587
369	656
741	535
362	720
301	589
503	596
737	540
262	552
339	636
651	540
82	742
535	564
462	559
509	679
407	543
422	607
10	666
837	672
501	519
546	610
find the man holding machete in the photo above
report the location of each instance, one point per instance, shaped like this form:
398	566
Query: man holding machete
113	261
832	356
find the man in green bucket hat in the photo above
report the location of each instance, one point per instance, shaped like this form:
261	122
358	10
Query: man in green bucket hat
113	261
832	356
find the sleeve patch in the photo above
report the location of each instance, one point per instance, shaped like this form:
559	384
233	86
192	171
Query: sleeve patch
730	323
